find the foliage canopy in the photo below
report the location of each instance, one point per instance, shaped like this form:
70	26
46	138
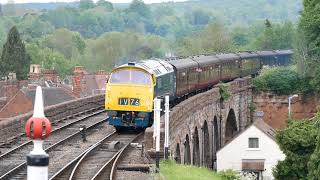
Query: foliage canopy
280	80
14	56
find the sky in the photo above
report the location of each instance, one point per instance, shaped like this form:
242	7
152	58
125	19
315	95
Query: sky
113	1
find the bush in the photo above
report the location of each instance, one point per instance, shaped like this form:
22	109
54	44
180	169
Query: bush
280	80
234	175
224	92
229	175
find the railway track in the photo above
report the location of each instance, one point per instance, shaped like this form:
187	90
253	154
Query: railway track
13	164
18	140
99	161
133	162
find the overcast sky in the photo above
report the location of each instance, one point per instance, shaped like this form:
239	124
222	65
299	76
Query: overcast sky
113	1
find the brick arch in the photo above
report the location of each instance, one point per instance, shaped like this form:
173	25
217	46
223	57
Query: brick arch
216	136
206	145
187	155
177	156
231	126
196	148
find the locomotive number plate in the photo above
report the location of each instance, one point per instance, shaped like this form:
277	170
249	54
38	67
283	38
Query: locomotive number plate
129	101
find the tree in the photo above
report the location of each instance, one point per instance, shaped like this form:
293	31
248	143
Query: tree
313	164
86	4
297	142
139	7
65	42
199	17
279	80
213	39
14	57
275	36
310	25
108	5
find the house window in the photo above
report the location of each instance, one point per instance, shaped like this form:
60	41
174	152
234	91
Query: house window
253	142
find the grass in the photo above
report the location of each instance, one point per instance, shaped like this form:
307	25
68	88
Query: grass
170	170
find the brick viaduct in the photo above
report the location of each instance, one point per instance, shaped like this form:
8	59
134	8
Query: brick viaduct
202	124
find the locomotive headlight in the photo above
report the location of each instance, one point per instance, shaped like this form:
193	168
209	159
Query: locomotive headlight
112	113
142	114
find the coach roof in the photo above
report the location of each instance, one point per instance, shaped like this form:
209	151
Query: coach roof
183	63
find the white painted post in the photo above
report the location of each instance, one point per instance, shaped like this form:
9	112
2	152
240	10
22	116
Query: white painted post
38	127
166	138
157	110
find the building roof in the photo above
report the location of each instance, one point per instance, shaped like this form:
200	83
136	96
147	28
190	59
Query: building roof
259	124
265	128
51	96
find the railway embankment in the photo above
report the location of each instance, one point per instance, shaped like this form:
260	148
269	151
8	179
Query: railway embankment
14	126
275	107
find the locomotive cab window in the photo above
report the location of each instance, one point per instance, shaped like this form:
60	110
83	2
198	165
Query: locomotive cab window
130	76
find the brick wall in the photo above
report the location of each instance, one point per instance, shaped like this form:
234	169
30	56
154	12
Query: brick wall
275	107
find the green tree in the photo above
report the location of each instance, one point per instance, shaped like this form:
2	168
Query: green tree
14	57
65	42
280	80
139	7
50	59
198	17
212	39
108	5
309	51
310	25
275	36
297	142
313	164
86	4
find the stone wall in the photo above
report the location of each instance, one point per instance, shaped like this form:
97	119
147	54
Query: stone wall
15	125
275	107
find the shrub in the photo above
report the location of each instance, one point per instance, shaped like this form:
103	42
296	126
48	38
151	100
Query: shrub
280	80
224	92
234	175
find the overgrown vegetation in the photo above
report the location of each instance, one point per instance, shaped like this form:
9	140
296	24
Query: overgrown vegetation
171	170
280	80
224	92
308	44
100	35
234	175
300	143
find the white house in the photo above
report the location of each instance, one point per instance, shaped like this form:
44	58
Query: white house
253	150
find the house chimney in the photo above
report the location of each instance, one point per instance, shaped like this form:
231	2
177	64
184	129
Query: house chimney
34	73
78	74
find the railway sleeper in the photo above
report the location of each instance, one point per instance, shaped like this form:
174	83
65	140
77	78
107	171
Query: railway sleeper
135	167
114	145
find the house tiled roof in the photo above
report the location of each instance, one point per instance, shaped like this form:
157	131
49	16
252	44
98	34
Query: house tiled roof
51	96
262	126
265	128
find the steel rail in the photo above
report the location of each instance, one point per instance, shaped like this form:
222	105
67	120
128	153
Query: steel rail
53	132
20	166
78	158
114	159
